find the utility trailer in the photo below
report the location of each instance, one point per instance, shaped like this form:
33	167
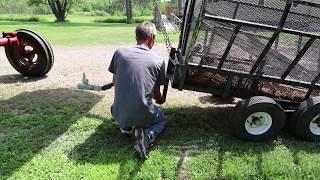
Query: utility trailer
28	52
266	52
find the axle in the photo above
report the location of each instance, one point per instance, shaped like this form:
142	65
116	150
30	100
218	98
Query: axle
11	38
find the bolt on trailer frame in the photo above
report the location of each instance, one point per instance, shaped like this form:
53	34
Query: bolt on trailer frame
264	51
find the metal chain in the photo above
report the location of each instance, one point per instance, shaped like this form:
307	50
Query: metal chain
160	24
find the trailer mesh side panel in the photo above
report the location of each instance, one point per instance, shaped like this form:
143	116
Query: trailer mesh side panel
213	37
303	18
246	49
283	53
210	46
255	43
248	11
311	62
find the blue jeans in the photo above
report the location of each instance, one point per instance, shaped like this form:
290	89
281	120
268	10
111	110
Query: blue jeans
155	128
158	127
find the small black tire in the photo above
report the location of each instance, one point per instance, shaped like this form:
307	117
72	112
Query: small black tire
306	120
40	62
257	119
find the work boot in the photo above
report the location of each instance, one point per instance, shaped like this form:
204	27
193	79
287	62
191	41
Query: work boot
142	143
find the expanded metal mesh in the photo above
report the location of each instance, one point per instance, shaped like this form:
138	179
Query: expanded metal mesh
246	49
279	58
304	18
268	12
212	38
311	63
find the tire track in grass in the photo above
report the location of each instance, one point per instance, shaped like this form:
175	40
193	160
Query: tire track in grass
185	156
3	133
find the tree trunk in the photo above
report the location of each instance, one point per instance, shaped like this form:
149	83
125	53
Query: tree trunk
129	11
59	9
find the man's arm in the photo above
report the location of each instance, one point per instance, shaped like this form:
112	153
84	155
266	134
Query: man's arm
158	96
112	69
160	99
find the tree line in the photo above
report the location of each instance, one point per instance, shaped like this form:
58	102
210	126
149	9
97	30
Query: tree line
61	8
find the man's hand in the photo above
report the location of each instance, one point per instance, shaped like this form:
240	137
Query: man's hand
160	100
106	87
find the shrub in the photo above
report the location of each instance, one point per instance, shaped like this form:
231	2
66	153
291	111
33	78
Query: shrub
20	18
123	19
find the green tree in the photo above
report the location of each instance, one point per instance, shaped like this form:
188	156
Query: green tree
60	8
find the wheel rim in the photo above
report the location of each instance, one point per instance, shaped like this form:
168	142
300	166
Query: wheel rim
30	58
46	43
315	125
33	60
258	123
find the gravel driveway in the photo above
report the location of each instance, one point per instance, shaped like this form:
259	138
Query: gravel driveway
70	63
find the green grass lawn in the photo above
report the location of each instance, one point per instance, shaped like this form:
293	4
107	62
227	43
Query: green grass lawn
69	134
81	31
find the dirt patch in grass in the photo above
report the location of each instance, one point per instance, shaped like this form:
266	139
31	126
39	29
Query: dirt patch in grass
19	112
3	133
70	63
185	156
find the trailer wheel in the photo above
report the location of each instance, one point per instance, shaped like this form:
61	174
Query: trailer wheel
306	120
258	118
35	59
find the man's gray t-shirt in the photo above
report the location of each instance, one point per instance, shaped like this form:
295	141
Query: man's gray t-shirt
137	71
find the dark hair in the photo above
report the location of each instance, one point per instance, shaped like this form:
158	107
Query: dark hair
144	30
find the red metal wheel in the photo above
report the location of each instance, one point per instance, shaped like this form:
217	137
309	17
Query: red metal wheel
33	57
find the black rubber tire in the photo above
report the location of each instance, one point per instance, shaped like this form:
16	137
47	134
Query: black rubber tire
43	62
302	117
246	108
49	48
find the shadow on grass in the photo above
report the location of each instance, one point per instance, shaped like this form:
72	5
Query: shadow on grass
190	129
31	121
211	99
108	146
14	78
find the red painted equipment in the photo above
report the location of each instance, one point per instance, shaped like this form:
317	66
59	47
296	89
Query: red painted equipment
28	52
